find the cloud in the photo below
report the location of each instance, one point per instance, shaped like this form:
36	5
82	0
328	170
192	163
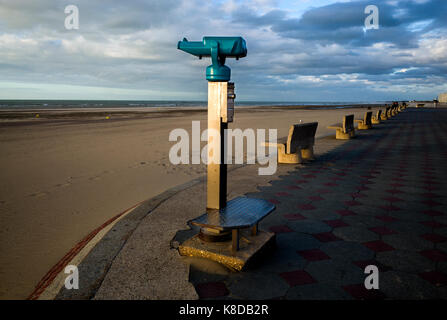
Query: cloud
130	47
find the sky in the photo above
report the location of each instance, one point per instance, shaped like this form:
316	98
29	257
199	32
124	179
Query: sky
298	50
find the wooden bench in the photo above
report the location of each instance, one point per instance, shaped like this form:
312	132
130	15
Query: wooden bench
384	115
376	119
365	123
390	113
299	144
394	108
345	130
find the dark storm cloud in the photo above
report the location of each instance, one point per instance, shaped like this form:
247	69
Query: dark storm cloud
343	23
111	15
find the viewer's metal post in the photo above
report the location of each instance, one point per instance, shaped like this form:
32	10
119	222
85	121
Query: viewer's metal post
216	177
220	99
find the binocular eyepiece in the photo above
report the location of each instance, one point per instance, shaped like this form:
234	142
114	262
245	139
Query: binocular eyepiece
218	48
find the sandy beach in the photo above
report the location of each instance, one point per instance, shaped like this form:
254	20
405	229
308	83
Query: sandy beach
65	173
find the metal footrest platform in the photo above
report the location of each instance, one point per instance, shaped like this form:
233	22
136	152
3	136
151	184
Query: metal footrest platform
240	213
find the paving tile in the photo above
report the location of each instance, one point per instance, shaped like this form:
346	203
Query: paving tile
355	233
431	203
330	184
352	203
390	207
442	231
435	278
433	224
323	191
434	255
386	218
358	195
405	261
442	266
306	206
317	291
345	212
430	187
309	226
441	219
408	227
297	278
294	216
348	251
430	195
433	237
282	194
313	255
382	230
362	264
364	221
393	199
326	237
257	286
297	241
335	272
336	223
369	210
282	259
363	188
408	242
211	290
395	191
358	291
342	174
406	286
280	229
378	246
396	185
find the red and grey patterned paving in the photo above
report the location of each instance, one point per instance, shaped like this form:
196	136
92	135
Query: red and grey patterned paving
379	199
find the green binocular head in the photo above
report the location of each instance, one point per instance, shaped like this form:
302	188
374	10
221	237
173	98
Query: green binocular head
218	48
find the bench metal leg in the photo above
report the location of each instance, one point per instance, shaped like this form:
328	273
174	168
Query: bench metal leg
308	153
284	157
235	240
254	230
340	135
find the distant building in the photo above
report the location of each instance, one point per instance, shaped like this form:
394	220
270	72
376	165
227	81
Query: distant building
442	98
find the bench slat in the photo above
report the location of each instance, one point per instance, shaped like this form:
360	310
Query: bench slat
336	126
301	136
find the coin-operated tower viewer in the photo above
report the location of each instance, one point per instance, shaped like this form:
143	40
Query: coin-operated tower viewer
221	226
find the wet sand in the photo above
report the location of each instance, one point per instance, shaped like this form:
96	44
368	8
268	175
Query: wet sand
66	172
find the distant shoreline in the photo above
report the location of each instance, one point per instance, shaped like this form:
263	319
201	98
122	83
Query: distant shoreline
149	104
16	114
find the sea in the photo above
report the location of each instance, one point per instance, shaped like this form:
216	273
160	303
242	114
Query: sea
88	104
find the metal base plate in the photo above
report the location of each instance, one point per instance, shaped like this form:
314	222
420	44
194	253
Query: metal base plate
250	249
214	237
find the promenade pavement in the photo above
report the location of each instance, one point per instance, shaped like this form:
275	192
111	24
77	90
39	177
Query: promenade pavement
378	199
